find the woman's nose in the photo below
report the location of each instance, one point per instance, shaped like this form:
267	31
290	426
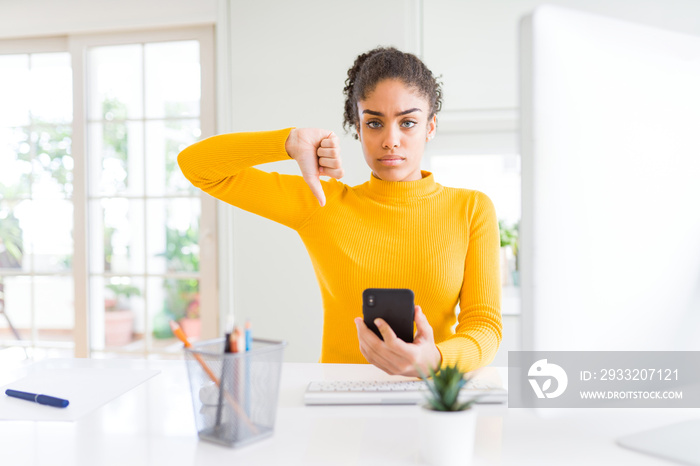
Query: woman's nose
391	139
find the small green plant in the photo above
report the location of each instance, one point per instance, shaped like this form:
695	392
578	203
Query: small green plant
444	387
122	293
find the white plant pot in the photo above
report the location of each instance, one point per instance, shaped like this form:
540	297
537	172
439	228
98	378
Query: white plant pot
447	437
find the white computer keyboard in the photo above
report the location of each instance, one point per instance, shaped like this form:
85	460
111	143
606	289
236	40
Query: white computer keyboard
392	392
375	386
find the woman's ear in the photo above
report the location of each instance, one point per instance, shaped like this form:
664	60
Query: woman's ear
432	128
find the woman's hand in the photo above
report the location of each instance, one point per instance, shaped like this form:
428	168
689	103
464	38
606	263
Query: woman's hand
395	356
317	151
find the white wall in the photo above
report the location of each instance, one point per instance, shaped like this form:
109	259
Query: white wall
474	42
33	18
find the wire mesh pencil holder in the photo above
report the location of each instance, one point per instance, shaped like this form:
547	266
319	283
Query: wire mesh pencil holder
234	395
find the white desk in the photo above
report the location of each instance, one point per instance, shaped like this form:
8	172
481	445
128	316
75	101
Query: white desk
153	425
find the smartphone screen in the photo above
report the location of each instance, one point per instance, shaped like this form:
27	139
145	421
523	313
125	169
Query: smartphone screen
394	305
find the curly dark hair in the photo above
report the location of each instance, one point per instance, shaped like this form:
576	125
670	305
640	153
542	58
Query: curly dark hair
381	63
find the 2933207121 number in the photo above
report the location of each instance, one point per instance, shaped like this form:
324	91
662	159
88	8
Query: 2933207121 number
639	374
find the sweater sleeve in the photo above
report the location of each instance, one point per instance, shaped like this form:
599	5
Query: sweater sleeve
222	167
479	327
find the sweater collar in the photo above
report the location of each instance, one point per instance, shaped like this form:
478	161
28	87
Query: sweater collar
403	190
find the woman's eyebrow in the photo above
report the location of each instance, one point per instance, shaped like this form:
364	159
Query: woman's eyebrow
380	114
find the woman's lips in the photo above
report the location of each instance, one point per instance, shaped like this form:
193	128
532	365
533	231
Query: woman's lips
391	160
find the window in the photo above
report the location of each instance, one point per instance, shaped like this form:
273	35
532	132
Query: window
36	206
497	175
123	223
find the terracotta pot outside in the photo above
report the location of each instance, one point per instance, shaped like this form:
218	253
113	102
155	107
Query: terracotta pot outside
119	327
191	327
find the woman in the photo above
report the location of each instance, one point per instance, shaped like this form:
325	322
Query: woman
398	230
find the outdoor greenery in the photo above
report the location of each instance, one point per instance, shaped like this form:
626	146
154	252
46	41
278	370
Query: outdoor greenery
53	154
116	142
182	255
122	293
510	237
108	248
115	136
11	244
173	147
42	148
181	295
182	249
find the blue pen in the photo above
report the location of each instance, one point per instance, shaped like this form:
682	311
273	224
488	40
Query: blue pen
41	399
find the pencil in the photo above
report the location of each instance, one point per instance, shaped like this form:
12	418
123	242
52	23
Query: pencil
235	340
220	404
238	347
177	331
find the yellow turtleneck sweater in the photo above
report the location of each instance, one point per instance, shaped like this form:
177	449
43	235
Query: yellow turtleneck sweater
443	243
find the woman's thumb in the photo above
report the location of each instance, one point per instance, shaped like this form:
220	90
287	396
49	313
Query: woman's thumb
316	188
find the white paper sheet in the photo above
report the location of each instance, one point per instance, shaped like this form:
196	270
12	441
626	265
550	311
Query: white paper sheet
86	389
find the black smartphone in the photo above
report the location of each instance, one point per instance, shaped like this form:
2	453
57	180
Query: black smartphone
394	305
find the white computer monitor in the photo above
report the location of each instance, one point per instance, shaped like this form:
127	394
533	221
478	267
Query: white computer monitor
610	140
